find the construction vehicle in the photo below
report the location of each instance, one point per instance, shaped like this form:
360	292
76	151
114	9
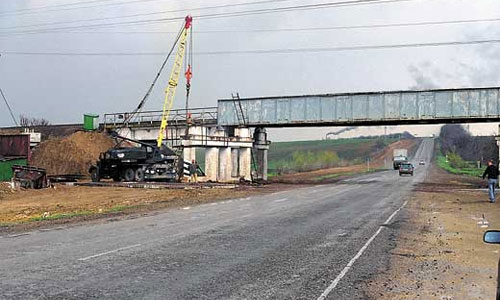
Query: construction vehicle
150	162
399	156
129	164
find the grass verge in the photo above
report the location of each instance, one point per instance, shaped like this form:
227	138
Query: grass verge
445	165
60	216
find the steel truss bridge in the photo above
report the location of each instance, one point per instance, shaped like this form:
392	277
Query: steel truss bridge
466	105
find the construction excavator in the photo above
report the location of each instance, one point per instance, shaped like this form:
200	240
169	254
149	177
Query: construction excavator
150	161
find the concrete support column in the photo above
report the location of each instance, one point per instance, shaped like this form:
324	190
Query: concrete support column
189	154
261	146
234	159
211	163
245	163
262	164
225	164
498	145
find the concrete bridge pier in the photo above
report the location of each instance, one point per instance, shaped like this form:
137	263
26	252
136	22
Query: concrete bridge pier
234	162
211	163
227	151
242	135
261	148
225	164
245	163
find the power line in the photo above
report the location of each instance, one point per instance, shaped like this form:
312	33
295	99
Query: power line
147	14
61	7
220	15
264	51
54	6
8	107
328	28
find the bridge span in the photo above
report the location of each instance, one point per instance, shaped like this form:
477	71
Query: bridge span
438	106
224	131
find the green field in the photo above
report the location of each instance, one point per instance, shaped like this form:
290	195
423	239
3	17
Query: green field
294	156
284	157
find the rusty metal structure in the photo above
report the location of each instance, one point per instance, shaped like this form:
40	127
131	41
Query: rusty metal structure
30	177
365	109
15	145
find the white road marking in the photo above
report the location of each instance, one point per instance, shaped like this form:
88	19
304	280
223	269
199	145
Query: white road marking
18	235
278	193
109	252
349	265
281	200
187	207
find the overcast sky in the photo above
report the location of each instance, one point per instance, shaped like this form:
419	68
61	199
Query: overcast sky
63	88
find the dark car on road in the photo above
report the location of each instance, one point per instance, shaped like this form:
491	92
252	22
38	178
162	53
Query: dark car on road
406	168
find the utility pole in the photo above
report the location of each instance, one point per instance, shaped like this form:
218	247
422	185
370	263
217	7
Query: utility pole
8	107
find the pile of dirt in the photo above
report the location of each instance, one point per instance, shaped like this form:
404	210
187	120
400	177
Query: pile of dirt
71	155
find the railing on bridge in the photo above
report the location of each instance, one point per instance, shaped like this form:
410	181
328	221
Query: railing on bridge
374	108
199	116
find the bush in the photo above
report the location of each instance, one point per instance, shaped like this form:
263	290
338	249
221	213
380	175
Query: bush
307	161
456	161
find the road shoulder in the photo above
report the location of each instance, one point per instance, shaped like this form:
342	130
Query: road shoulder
439	252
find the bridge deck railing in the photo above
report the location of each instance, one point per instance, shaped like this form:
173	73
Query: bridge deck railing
199	116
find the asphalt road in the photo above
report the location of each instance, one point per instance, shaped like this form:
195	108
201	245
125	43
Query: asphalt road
311	243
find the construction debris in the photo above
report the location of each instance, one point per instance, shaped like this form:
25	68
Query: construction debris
71	155
156	185
30	177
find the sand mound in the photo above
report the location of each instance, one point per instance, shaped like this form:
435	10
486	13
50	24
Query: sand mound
71	155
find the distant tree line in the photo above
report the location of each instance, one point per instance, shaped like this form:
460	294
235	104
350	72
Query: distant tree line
459	145
30	122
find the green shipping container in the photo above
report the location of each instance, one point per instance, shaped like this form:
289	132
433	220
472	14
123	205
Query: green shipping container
90	122
6	167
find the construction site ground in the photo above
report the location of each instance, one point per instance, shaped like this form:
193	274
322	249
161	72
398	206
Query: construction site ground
26	209
438	249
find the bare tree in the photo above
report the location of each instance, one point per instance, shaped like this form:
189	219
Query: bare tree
454	138
30	122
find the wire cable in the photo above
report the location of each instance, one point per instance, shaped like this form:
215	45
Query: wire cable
218	15
147	14
299	29
55	8
8	107
155	80
263	51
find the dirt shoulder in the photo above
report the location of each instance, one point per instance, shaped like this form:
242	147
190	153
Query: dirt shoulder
29	209
439	252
